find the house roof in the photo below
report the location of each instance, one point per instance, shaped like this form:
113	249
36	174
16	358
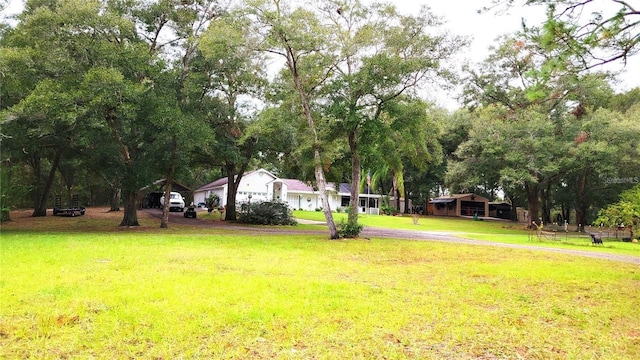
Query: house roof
175	186
225	180
216	184
297	185
442	200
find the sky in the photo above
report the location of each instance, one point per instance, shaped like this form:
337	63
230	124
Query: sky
462	18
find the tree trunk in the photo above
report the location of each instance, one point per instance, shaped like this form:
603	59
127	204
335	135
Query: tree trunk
546	204
317	159
567	214
395	191
230	211
533	201
355	179
115	197
40	197
164	224
130	217
581	217
407	206
5	215
322	186
580	205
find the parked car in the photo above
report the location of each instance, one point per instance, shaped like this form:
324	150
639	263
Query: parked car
176	202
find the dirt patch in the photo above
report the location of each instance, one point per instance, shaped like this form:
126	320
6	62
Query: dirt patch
94	219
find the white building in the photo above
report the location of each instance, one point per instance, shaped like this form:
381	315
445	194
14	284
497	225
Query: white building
261	185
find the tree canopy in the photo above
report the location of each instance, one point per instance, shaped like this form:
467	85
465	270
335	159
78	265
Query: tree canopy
115	95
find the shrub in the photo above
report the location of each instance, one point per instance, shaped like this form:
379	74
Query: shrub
266	213
213	201
349	229
389	210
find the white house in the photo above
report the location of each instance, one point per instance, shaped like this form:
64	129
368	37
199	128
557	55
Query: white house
261	185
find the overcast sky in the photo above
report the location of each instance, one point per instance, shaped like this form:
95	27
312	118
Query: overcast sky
462	18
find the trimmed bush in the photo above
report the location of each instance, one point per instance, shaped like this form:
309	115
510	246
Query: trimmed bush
349	229
266	213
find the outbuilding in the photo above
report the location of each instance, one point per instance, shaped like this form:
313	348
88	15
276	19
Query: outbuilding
460	205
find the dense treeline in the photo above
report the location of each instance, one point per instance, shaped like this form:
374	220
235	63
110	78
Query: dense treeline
101	98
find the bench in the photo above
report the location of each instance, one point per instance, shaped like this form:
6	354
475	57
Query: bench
547	234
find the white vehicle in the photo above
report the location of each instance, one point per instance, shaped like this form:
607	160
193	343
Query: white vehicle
176	202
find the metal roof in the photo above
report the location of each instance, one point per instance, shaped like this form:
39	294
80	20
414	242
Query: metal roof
442	201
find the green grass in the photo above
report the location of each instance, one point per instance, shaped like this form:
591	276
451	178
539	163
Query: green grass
495	231
199	293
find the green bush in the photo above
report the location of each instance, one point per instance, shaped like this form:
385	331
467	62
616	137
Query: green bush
388	210
213	201
266	213
349	229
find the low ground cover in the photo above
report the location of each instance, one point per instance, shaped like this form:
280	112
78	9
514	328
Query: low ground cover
200	293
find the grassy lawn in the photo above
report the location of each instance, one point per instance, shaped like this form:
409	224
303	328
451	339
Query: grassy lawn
505	232
110	293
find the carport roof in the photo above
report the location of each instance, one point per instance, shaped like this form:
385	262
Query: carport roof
442	200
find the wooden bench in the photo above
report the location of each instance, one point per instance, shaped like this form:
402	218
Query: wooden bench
547	234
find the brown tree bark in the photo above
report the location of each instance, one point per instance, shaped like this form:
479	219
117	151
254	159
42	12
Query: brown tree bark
317	159
355	179
40	197
533	201
230	212
130	217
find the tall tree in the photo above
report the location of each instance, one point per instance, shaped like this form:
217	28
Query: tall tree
302	41
625	212
43	61
382	56
407	139
235	67
517	78
176	29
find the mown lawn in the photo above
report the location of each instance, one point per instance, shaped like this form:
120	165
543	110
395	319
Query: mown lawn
193	292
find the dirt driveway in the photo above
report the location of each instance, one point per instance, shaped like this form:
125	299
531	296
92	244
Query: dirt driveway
371	232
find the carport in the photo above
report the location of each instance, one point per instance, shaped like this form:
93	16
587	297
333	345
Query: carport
460	205
149	196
